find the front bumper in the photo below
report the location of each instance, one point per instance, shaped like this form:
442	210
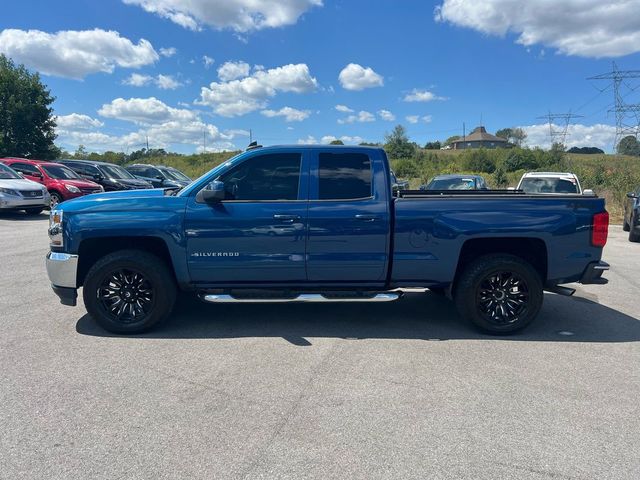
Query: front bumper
62	269
593	273
17	203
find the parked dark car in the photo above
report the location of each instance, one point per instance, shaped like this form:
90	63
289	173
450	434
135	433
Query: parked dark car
456	182
631	221
160	176
111	177
396	184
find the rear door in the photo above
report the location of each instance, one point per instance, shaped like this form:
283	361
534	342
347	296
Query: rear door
349	217
257	234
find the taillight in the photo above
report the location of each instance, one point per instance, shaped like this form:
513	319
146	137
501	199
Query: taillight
600	229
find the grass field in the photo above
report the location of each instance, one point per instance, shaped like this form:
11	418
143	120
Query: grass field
610	176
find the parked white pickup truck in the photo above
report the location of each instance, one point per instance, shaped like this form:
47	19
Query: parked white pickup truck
551	182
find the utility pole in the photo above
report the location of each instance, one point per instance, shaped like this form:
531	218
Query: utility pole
559	126
250	136
627	114
204	141
147	137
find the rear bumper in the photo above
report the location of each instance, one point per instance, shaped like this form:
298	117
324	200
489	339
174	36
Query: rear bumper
593	273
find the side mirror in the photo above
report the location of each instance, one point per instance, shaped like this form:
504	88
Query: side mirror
511	188
214	192
37	174
588	192
631	195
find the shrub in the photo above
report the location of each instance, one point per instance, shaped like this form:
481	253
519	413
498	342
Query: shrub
479	161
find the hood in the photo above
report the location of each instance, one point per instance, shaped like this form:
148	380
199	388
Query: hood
124	201
80	183
20	184
131	182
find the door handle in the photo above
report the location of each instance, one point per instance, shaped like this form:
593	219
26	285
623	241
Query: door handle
366	218
286	218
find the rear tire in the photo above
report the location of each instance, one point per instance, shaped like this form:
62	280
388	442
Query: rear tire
634	231
500	294
625	226
129	291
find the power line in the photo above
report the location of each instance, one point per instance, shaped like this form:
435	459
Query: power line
559	126
627	114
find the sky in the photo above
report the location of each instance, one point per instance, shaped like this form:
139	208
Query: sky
201	75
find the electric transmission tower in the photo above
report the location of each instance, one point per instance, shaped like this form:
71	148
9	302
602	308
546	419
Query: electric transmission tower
627	114
559	126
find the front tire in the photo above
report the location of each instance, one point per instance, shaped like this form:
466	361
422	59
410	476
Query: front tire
634	231
33	211
625	226
56	198
129	291
500	294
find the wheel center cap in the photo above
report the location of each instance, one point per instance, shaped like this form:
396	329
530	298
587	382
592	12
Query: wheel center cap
499	295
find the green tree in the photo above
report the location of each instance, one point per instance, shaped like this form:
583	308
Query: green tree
336	142
504	133
397	143
433	145
500	178
629	145
27	123
478	160
450	140
81	153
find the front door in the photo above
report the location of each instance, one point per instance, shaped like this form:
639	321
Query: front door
257	233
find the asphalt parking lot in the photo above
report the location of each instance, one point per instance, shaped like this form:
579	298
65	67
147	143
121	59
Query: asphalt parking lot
404	390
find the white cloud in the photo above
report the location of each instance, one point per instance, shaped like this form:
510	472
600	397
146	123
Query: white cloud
75	54
145	111
416	118
357	77
232	70
289	114
164	82
77	121
137	80
587	28
362	117
327	139
239	97
343	109
238	15
207	61
421	96
599	135
168	52
167	82
386	115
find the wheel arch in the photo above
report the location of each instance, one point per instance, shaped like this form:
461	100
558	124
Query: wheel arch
93	249
530	249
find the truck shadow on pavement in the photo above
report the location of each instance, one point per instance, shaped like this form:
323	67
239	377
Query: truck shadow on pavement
417	316
24	217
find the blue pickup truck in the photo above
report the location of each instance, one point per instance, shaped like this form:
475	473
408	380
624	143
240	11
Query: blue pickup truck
320	224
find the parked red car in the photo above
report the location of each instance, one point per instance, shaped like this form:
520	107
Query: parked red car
61	182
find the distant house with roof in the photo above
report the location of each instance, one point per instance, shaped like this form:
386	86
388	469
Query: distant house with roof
479	138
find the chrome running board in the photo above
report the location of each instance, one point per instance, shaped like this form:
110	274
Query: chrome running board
302	298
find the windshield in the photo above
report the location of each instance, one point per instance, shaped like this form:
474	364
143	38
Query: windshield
114	171
60	173
175	174
452	184
7	173
548	185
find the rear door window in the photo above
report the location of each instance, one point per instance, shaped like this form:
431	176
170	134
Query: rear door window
25	168
344	176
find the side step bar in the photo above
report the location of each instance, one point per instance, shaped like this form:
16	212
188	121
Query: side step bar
302	298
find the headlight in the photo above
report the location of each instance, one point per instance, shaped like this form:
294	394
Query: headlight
56	239
72	188
8	191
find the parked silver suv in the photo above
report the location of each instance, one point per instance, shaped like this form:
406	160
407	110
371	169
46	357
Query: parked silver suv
16	193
